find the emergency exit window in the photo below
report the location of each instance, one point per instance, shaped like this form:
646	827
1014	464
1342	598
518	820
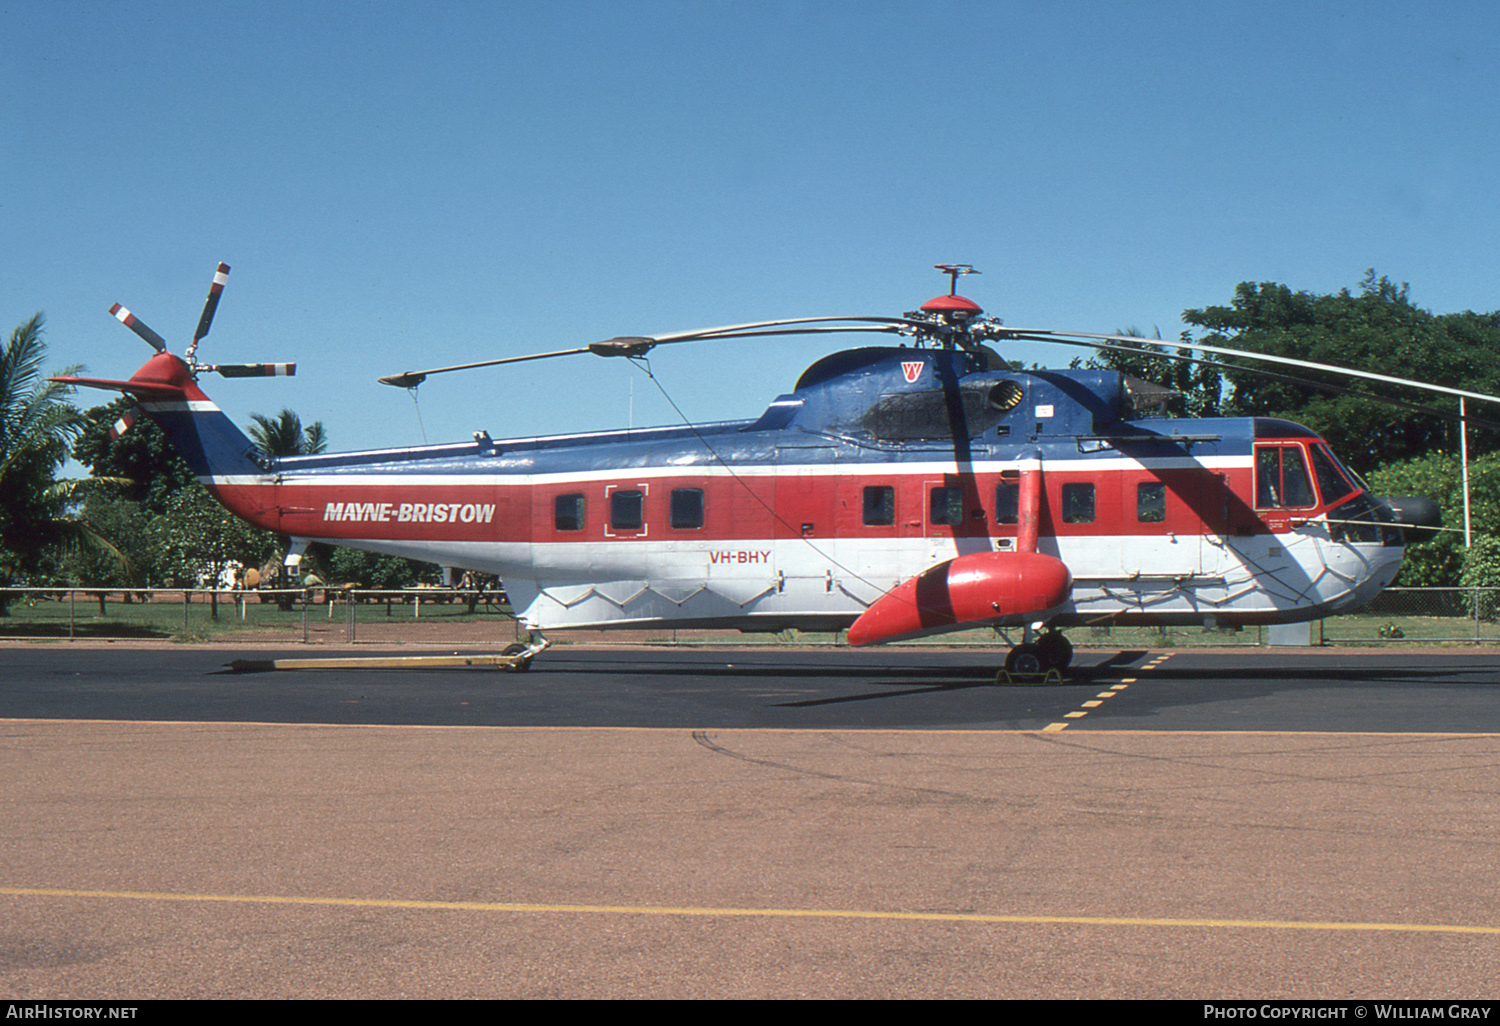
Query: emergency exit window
626	510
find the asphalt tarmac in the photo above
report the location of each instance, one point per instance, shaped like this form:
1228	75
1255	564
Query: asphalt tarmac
1455	690
745	823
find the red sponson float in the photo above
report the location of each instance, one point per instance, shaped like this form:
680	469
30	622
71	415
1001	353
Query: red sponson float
979	587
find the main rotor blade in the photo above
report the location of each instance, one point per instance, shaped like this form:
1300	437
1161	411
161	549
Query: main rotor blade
254	370
639	345
730	330
138	326
1130	343
1323	386
411	379
212	303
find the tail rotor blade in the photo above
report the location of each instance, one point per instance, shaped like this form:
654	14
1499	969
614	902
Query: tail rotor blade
122	425
135	324
255	370
212	303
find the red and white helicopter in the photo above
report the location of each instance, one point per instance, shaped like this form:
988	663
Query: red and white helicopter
896	492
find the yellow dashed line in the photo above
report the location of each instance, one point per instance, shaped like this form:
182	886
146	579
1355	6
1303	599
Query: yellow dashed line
1094	703
763	913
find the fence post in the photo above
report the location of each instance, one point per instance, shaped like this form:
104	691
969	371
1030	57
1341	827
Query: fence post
349	599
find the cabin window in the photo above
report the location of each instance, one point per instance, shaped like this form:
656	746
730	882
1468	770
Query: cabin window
1008	502
626	510
1078	503
946	507
1281	479
687	508
568	512
880	505
1150	502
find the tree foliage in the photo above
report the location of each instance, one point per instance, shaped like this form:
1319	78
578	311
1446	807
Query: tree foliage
1198	384
1377	329
1436	559
36	425
142	460
284	435
339	565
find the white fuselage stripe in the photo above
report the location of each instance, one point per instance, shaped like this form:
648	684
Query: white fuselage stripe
709	468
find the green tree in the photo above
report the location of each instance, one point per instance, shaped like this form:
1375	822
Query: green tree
1376	329
1436	559
142	460
197	539
36	425
339	565
148	477
285	435
1482	570
1198	384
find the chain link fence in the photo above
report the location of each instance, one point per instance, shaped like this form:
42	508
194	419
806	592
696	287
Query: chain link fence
461	618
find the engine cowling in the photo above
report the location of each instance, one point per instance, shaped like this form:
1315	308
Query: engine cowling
972	589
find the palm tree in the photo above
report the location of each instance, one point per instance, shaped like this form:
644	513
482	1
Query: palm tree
36	428
285	436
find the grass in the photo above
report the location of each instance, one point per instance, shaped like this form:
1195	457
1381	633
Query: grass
46	618
168	618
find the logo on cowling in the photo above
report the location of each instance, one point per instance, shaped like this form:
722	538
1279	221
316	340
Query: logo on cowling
912	369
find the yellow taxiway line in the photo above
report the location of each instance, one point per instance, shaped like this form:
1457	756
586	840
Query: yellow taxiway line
782	913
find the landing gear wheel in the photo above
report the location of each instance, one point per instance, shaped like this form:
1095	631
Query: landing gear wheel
1055	650
517	667
1025	659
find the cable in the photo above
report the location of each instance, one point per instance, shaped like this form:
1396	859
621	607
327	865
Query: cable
412	391
645	365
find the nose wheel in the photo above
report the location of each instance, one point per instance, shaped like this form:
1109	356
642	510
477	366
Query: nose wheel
1052	651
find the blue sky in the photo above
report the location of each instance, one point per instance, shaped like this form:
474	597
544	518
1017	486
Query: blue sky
403	185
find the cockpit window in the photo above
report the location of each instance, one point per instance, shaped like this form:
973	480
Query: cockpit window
1332	484
1281	478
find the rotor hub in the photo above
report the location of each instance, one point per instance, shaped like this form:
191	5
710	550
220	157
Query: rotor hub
952	309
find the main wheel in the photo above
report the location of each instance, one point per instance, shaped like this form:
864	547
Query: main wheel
517	667
1025	659
1055	650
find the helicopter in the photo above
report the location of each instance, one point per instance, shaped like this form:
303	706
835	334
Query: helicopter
896	492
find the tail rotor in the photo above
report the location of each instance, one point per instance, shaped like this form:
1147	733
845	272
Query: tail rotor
205	322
